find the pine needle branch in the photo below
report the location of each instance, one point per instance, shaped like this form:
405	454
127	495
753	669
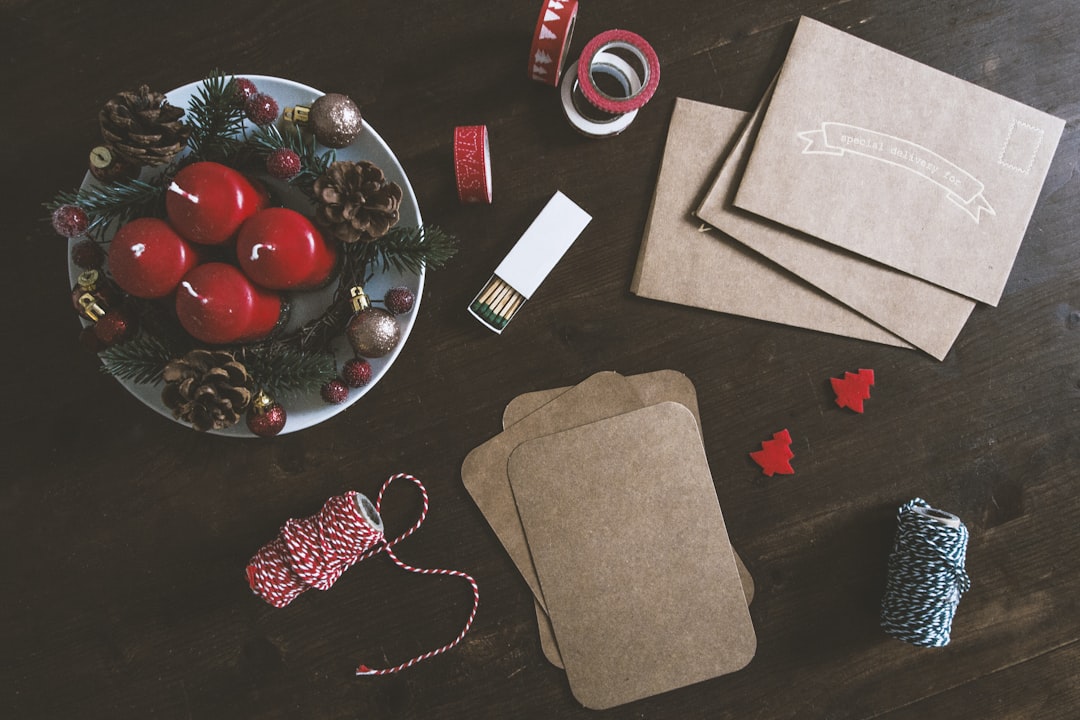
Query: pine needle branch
282	370
216	116
140	360
118	202
409	249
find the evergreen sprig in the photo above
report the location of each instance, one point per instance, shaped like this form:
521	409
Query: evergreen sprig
409	249
118	202
216	115
140	359
283	370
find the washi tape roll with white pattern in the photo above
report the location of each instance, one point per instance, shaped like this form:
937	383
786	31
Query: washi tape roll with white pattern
472	164
551	40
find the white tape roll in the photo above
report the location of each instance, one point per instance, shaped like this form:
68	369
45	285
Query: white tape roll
588	120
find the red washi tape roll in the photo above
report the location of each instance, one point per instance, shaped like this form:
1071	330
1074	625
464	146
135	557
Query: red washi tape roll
551	41
585	118
636	46
472	164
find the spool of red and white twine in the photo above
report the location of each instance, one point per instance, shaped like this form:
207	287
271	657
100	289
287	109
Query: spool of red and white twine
313	552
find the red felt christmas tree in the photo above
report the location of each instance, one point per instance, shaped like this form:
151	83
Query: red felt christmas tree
853	389
774	454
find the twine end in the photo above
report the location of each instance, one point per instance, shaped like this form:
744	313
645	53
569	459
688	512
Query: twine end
364	670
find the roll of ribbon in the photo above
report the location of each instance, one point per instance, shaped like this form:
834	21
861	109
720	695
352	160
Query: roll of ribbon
585	118
314	552
926	575
472	164
551	40
640	50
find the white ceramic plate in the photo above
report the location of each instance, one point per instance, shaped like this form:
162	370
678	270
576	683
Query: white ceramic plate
309	409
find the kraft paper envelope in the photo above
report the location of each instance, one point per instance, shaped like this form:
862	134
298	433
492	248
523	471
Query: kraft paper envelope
926	315
652	388
484	470
898	162
681	261
633	556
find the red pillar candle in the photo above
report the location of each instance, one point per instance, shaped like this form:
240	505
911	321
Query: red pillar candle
217	304
147	258
207	202
281	249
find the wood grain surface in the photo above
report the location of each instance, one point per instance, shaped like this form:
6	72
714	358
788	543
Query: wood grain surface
125	535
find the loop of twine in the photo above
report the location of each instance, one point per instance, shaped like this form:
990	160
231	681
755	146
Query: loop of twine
926	577
314	552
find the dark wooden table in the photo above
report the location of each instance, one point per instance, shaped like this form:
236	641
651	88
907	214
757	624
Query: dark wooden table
126	535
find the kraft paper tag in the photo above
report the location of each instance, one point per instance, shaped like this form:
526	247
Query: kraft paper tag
926	315
683	261
652	388
632	554
484	470
898	162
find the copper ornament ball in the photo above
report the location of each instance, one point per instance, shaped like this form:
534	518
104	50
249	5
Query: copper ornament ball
373	333
335	120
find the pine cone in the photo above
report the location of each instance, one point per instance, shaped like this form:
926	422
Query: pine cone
207	388
356	201
143	127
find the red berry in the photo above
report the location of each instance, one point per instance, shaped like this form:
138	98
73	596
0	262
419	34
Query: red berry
245	89
356	372
280	249
207	202
88	255
70	220
399	300
283	163
261	109
114	327
334	392
217	304
147	258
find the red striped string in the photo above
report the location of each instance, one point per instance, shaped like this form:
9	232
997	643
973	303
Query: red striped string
314	552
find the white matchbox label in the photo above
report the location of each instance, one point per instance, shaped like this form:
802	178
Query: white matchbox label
544	243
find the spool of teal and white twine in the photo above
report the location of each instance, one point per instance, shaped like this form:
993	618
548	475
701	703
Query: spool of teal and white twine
926	575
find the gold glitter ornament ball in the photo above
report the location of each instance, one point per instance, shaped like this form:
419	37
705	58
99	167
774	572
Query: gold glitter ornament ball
373	332
335	120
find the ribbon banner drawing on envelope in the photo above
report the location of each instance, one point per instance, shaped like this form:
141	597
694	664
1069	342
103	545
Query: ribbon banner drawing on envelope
840	138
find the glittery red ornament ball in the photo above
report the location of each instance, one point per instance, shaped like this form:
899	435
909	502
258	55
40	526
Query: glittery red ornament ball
88	255
261	109
70	220
356	372
334	392
283	163
399	300
245	89
114	327
268	422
